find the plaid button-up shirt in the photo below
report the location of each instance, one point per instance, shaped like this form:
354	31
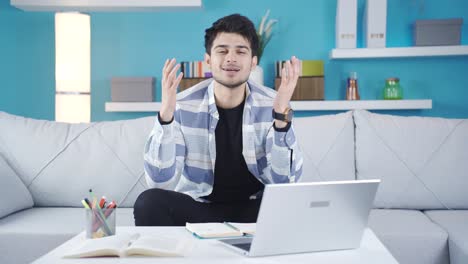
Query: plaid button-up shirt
181	155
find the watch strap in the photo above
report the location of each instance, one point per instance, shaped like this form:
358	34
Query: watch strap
282	116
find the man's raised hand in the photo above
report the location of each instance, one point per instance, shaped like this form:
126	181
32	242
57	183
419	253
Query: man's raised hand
289	76
169	84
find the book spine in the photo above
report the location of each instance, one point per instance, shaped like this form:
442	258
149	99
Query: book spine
191	69
182	67
195	69
276	69
346	24
375	23
200	69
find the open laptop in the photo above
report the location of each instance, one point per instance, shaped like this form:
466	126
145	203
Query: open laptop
306	217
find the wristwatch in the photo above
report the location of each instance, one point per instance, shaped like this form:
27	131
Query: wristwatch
286	116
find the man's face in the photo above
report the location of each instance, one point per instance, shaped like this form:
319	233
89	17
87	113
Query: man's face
231	59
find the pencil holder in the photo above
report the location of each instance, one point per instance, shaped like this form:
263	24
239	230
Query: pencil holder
100	222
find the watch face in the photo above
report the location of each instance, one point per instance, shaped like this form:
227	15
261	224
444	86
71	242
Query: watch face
286	116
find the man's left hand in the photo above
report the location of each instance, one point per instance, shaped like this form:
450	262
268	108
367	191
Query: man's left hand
289	76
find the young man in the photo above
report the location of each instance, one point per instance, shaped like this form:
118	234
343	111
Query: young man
215	145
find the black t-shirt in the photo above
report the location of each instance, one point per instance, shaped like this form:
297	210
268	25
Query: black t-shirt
232	179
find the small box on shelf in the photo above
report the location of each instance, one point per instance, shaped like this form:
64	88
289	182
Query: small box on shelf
186	83
308	88
437	32
132	89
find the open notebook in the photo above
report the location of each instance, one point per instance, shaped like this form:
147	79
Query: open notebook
220	230
122	245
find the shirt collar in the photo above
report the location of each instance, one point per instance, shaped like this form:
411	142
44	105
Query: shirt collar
212	102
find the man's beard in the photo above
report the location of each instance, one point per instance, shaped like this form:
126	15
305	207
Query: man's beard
230	85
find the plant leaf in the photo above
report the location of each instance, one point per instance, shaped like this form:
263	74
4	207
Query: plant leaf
262	24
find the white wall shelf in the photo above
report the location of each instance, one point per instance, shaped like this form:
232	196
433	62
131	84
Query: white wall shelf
361	104
105	5
363	53
133	106
296	105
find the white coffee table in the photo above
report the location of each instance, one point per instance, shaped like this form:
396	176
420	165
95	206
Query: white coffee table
211	251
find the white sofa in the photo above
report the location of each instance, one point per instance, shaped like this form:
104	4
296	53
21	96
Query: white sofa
420	213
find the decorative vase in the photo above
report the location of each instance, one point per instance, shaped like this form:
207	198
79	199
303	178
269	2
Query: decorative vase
256	75
352	92
392	90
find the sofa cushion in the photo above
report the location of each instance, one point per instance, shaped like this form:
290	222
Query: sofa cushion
40	230
60	162
420	160
455	222
14	196
325	142
410	236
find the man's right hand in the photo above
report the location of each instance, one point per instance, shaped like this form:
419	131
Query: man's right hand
169	84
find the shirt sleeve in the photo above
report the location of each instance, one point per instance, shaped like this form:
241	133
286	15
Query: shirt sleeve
284	154
283	129
164	154
164	122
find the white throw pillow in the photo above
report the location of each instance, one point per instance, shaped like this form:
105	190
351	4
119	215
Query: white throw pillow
422	161
14	196
60	162
327	144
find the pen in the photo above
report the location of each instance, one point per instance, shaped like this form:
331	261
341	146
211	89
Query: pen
112	205
102	202
93	197
85	204
88	202
104	224
100	219
99	216
233	227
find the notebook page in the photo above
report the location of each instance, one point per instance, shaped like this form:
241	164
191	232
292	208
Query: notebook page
157	246
209	230
246	228
106	246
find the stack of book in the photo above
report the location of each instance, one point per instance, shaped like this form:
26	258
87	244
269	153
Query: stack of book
194	72
195	69
307	68
310	85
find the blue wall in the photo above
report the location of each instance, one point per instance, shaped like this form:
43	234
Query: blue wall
27	84
136	44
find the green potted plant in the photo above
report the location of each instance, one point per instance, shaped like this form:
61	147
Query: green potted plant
264	33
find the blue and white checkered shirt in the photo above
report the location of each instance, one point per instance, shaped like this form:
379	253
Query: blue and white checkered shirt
181	156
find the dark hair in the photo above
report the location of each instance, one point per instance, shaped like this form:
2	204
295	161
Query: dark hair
234	23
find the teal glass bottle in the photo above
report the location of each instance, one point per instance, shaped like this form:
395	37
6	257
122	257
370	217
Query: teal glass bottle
392	89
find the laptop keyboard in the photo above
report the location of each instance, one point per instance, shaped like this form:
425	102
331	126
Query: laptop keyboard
244	246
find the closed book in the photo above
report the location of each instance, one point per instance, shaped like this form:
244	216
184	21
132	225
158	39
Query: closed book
220	230
375	23
312	68
346	24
